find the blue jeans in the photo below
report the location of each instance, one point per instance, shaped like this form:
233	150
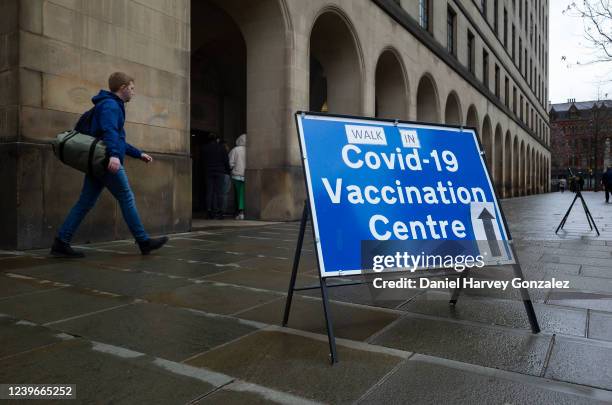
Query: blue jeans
119	187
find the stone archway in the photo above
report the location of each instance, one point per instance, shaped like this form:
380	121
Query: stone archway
391	87
515	167
540	174
522	162
335	85
508	165
532	173
487	145
499	161
218	93
428	109
472	121
528	169
452	110
273	176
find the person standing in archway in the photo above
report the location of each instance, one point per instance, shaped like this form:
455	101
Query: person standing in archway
237	160
606	182
217	166
562	184
106	121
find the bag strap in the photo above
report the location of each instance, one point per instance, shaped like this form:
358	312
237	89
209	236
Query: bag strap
92	149
63	143
83	125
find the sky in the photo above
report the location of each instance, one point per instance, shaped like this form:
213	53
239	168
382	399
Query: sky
567	78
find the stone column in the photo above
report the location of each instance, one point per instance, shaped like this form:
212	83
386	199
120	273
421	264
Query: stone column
66	51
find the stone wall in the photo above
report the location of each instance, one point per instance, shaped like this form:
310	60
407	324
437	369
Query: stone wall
56	55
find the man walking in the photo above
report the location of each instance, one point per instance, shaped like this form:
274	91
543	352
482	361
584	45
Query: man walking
107	122
606	181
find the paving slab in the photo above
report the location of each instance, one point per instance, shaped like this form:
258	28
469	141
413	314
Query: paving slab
57	304
229	397
487	346
552	268
583	283
240	392
578	299
261	278
600	325
167	332
84	275
13	263
582	260
222	236
20	336
248	247
13	286
590	271
365	294
130	248
101	253
350	322
300	366
170	266
214	257
600	252
308	263
500	312
589	246
536	294
213	297
421	382
101	376
581	362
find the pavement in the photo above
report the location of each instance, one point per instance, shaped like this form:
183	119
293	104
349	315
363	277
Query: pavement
199	322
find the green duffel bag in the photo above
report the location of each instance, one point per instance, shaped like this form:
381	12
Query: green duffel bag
82	152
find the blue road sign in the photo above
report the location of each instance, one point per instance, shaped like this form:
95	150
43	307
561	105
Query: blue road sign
387	186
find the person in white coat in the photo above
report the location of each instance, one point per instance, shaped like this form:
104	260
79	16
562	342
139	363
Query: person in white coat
237	161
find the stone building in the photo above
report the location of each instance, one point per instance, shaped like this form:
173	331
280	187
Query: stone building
233	66
580	139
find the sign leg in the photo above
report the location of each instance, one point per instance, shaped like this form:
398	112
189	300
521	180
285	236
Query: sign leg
533	320
586	211
457	291
566	214
589	216
296	263
328	322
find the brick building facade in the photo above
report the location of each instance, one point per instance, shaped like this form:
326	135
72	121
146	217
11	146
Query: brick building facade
580	139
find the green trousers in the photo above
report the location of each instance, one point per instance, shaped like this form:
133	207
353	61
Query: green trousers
239	187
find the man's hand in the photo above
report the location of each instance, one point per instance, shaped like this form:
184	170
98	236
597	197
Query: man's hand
114	164
146	158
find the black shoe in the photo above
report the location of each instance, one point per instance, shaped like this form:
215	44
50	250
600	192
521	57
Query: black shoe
63	249
152	244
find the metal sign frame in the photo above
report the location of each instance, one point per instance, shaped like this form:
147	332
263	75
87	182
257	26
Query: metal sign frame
323	285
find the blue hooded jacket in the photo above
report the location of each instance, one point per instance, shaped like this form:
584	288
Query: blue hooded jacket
107	121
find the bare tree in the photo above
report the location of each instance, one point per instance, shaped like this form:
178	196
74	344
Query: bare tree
597	19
